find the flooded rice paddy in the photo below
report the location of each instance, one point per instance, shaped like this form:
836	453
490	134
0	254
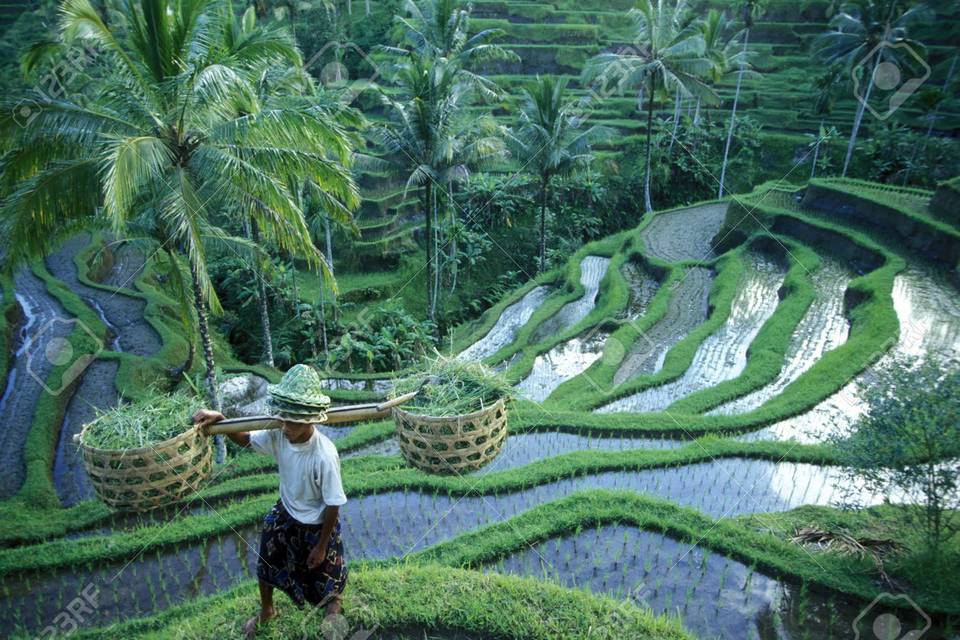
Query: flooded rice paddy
505	329
723	354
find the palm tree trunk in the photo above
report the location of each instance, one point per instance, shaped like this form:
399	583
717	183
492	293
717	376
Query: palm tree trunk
933	119
676	122
696	114
262	300
213	393
859	117
452	256
733	115
544	187
428	220
435	207
323	316
816	151
329	255
647	202
367	6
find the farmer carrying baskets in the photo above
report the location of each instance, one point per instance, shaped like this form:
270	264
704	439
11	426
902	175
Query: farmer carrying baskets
301	551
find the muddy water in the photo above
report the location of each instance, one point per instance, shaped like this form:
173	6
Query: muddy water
574	356
823	328
396	523
45	324
505	330
643	286
521	449
684	234
687	308
723	354
711	595
592	270
928	308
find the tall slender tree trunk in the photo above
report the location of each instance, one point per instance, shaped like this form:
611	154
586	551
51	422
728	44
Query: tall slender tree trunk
323	316
213	392
367	6
696	114
733	115
544	187
329	255
919	149
816	151
858	118
647	202
266	336
428	220
676	122
452	255
438	268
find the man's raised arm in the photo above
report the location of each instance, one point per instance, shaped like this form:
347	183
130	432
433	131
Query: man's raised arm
206	418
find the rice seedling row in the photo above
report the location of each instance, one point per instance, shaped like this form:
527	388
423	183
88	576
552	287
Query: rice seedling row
928	308
397	523
823	327
505	330
723	354
592	271
711	595
684	234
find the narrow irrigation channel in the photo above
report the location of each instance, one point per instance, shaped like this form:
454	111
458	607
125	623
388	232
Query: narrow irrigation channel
505	330
928	308
824	327
396	523
723	354
45	325
687	309
572	357
96	391
712	595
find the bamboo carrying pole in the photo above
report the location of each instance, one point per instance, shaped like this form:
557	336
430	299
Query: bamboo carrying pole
335	415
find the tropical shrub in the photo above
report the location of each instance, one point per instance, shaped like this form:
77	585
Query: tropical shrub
387	339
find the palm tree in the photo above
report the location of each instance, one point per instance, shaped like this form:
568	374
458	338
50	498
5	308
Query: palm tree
930	101
826	90
433	137
864	34
672	59
751	11
720	43
549	141
173	138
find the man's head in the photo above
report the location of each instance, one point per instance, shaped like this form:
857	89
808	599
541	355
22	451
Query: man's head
296	432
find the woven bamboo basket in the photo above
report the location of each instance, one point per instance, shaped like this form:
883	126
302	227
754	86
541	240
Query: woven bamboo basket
452	444
149	477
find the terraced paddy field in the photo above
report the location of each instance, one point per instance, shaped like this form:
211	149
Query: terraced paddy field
676	382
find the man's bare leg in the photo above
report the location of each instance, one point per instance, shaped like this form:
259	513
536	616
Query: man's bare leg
267	610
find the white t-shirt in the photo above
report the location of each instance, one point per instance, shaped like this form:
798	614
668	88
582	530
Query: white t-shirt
309	473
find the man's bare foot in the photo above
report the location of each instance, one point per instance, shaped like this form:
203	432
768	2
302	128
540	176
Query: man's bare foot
251	625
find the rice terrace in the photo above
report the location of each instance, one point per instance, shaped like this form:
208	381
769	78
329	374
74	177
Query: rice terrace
489	320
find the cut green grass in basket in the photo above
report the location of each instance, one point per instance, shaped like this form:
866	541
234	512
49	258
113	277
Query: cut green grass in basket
456	388
158	417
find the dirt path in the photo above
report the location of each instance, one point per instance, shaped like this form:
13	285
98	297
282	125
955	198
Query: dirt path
684	234
723	354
